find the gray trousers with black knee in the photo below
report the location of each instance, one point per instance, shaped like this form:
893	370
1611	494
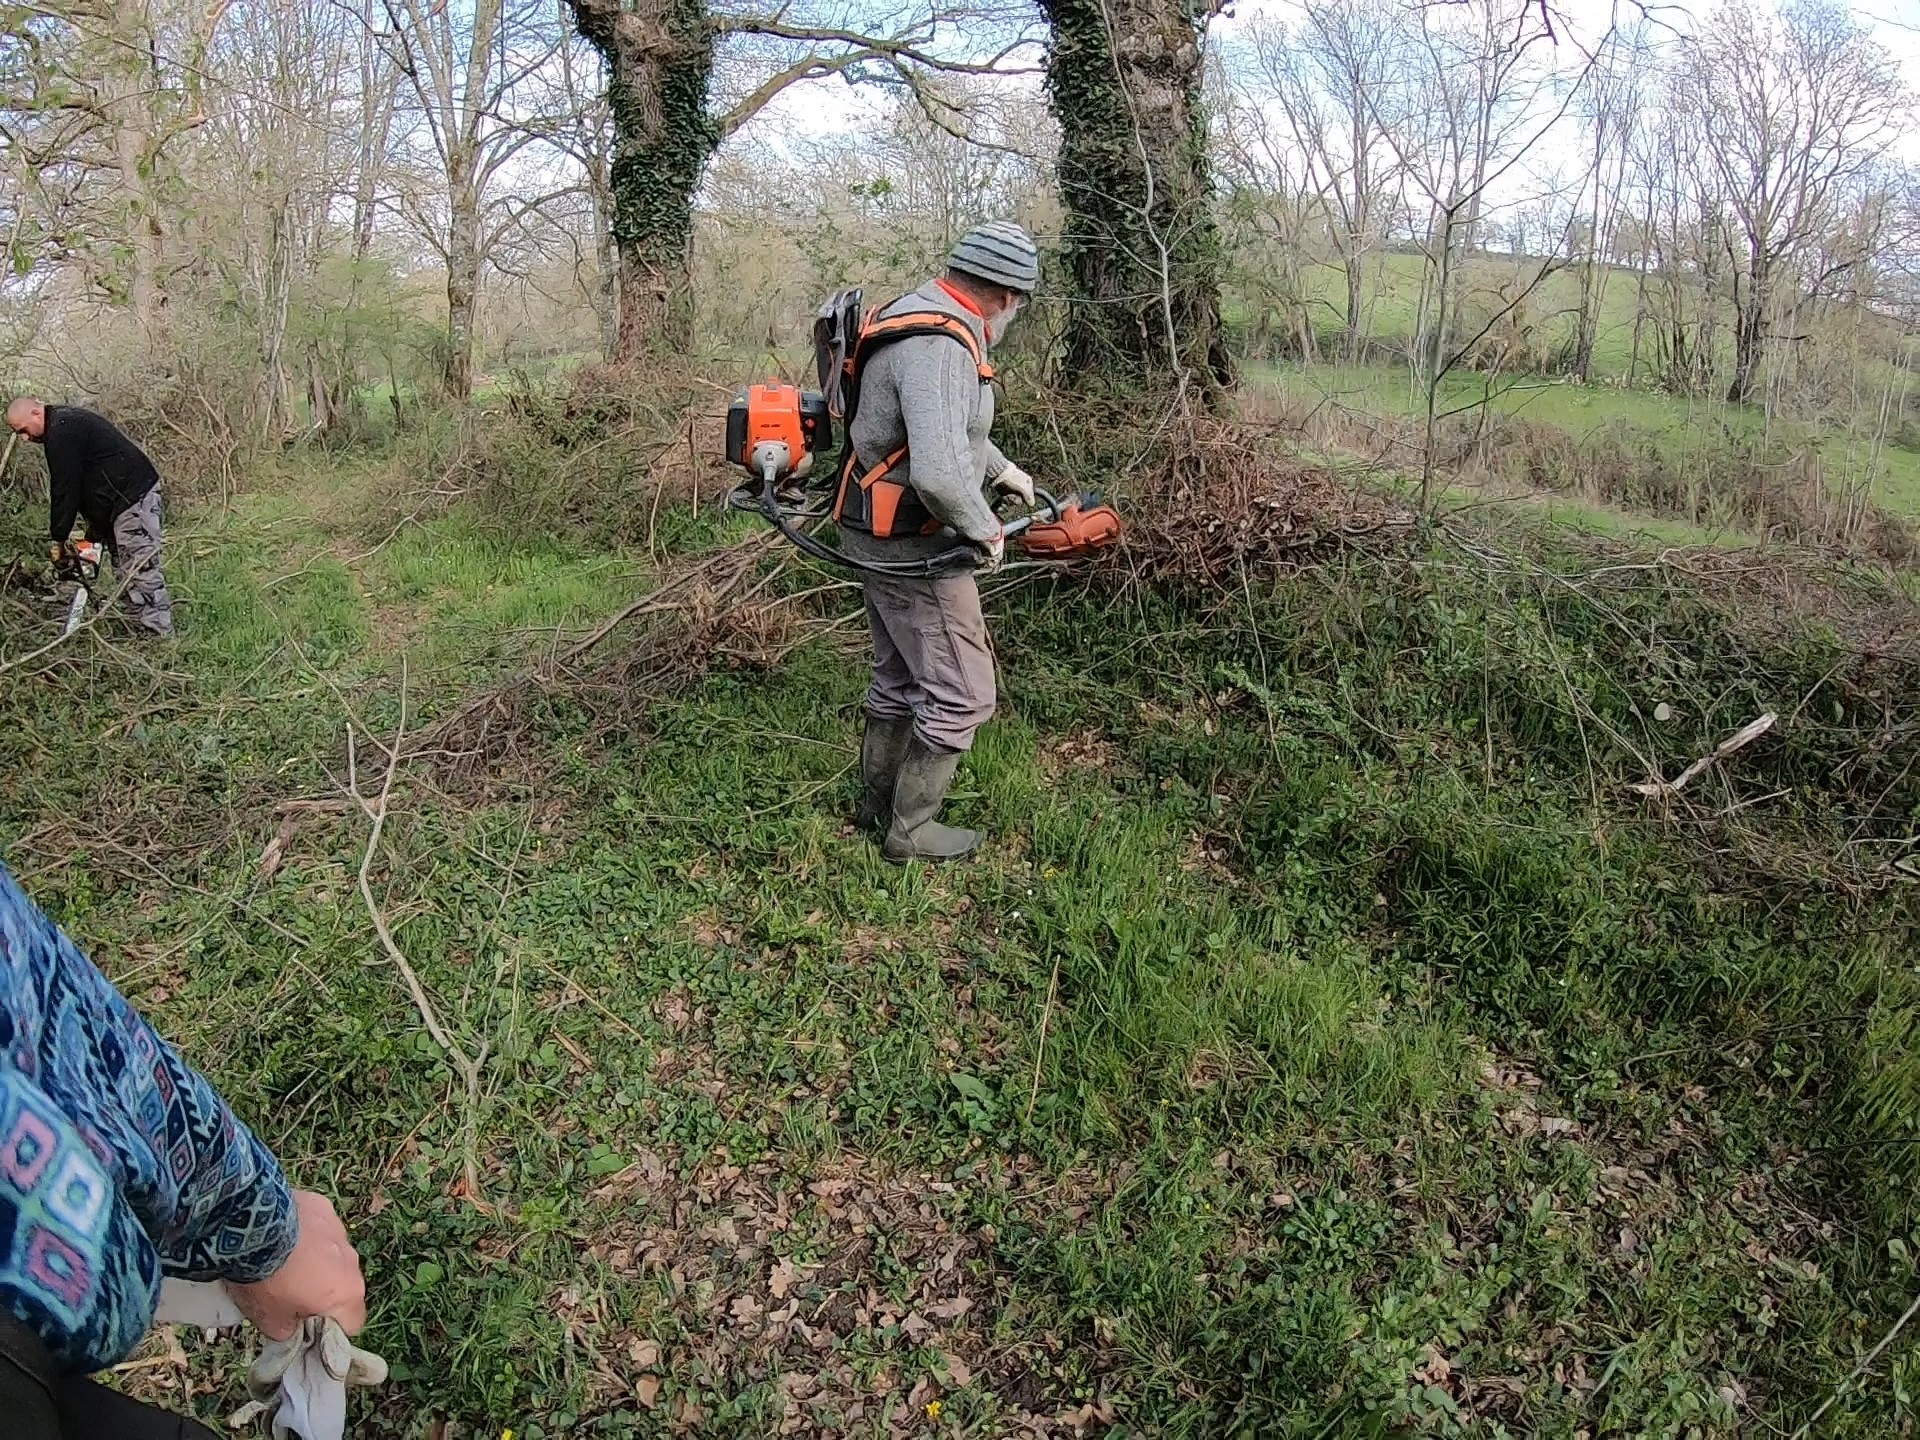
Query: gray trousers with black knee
135	548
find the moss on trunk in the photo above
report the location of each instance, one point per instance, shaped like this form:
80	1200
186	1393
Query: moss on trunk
659	58
1142	250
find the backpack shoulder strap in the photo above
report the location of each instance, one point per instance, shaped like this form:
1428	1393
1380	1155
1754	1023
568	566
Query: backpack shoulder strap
875	334
885	329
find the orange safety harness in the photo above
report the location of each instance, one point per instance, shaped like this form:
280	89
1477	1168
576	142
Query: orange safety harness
872	498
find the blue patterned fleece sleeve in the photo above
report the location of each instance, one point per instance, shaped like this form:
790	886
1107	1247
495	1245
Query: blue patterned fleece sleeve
118	1162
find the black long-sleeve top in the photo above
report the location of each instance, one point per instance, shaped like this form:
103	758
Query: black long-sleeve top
93	469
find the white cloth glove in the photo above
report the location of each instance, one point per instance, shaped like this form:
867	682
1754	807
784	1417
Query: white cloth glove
309	1372
302	1380
996	554
1016	482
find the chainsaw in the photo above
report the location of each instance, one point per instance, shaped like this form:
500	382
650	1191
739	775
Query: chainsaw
78	565
776	431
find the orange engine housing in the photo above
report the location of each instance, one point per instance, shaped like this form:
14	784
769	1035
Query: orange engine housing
1079	531
775	415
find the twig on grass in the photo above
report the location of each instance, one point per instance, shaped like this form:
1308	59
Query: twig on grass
377	810
1859	1370
1739	740
1040	1051
101	604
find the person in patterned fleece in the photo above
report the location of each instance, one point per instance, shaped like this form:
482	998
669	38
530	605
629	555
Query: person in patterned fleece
120	1164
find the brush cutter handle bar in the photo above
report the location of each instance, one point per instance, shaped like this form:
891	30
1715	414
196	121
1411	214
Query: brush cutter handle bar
1046	508
962	557
947	562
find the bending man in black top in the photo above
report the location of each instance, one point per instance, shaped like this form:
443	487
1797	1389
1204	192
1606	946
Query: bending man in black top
99	474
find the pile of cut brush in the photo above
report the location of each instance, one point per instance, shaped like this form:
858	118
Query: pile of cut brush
1220	499
1225	498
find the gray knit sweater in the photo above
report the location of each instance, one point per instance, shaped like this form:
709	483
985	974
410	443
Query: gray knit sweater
925	393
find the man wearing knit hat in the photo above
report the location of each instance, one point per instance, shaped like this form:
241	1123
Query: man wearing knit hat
926	407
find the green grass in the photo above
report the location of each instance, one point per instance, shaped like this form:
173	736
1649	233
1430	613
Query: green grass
1391	299
1683	430
1852	461
1323	1046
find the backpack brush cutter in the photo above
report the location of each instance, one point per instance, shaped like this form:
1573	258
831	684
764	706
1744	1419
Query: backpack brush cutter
776	431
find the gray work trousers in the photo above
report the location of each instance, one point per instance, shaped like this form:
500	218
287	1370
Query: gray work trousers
135	548
932	657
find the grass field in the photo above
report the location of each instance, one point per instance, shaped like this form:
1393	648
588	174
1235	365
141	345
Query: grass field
1678	428
1324	1046
1855	443
1391	302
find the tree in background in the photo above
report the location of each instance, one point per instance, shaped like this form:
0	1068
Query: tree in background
661	59
1608	107
1794	112
1142	250
658	56
462	66
1325	78
99	98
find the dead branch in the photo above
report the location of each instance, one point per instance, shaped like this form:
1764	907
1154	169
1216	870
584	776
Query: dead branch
1739	740
376	811
102	604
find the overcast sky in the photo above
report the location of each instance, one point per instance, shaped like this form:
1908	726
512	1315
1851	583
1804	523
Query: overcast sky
824	106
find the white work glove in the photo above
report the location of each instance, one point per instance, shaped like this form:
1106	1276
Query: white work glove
305	1379
301	1381
995	551
1015	482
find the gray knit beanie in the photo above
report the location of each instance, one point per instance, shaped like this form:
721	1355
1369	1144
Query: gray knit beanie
1000	253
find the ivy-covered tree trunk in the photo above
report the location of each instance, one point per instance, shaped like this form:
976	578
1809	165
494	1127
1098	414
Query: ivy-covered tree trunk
1142	251
659	58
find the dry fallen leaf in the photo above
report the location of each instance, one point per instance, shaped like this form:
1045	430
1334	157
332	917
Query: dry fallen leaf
645	1354
1094	1412
1436	1369
647	1390
782	1278
246	1415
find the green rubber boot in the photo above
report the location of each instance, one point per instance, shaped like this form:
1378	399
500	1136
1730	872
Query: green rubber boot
882	749
926	774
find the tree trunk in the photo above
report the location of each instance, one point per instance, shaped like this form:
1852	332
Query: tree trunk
276	406
378	86
463	278
1587	321
605	295
1353	265
1359	214
129	92
1749	337
1639	318
326	394
659	58
1142	252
